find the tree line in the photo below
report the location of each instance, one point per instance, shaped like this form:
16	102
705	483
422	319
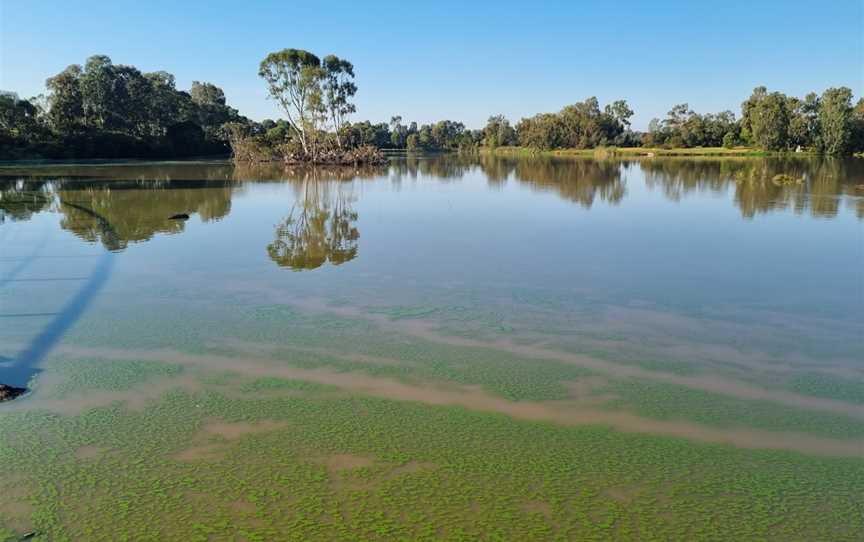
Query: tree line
445	135
827	124
107	110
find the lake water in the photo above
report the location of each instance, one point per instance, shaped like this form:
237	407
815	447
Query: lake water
450	348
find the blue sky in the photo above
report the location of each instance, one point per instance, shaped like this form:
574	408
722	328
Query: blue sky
459	60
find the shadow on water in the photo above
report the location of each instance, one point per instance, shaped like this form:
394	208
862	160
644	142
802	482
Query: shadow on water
21	369
25	262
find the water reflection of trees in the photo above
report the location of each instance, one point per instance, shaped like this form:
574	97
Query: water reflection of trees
138	205
578	180
581	181
139	210
442	167
20	200
138	199
321	226
811	185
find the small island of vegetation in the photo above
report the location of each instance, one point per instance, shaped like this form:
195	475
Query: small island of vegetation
315	96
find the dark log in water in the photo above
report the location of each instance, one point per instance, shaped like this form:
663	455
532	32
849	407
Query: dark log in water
7	393
181	216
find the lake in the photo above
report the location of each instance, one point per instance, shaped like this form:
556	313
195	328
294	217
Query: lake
448	348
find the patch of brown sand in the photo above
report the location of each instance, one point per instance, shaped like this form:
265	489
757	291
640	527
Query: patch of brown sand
560	412
136	398
716	384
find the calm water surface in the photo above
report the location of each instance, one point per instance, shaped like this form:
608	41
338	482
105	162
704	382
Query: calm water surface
446	349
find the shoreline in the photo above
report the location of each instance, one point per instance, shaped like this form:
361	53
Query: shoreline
649	152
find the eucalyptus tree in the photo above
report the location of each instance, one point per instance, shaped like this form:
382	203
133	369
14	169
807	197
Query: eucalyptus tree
158	109
294	79
498	132
804	120
542	131
836	120
98	91
765	119
398	132
207	107
620	111
339	88
66	103
206	94
580	125
857	143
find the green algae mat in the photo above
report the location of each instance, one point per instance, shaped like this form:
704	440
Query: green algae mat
449	349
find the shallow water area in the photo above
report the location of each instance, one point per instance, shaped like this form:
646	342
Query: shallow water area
448	348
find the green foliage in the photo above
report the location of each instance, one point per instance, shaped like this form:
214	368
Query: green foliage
443	135
857	127
294	80
498	132
775	122
684	128
21	122
769	122
107	110
580	126
339	88
836	121
804	121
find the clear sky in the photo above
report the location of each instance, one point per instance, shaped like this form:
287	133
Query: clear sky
461	60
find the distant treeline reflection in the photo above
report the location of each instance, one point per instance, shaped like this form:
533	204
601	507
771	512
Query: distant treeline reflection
819	186
321	223
815	186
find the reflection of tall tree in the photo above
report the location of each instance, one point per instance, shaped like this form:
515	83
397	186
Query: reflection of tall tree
321	226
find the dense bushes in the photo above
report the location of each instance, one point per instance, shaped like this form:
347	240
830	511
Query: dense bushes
105	110
827	124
